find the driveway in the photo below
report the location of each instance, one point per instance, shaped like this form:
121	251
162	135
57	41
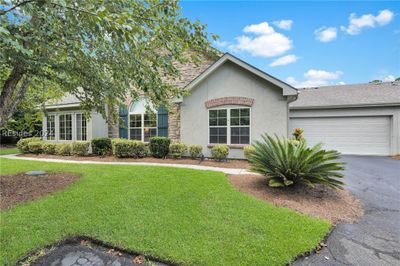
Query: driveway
375	238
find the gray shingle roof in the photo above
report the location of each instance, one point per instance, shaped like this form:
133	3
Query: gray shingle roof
385	93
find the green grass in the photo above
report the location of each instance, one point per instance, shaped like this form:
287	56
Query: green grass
6	151
184	216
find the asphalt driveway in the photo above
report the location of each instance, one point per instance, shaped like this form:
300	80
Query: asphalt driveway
375	238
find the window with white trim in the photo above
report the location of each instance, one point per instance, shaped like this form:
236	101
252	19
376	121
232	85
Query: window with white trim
81	127
65	126
51	127
229	126
142	121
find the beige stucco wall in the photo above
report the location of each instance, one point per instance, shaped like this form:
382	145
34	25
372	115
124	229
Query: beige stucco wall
269	113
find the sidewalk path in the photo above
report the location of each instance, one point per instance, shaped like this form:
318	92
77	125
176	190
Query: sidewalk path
229	171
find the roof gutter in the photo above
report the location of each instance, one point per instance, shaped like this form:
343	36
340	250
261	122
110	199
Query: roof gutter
343	106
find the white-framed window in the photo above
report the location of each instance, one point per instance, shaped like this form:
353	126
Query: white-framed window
142	121
65	126
51	127
229	125
81	127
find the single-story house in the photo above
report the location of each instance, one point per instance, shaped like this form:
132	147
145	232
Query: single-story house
230	102
359	119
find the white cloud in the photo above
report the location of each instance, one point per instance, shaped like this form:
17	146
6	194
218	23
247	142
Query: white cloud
341	83
284	60
325	34
388	78
262	40
356	24
284	24
316	78
221	44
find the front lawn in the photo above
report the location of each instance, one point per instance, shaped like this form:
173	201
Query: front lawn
6	151
183	216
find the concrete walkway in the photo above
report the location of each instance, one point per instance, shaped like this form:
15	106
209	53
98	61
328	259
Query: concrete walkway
229	171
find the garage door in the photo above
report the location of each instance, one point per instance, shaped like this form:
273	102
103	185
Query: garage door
348	135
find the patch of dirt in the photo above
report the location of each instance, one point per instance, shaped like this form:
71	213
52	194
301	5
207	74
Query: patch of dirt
336	206
397	157
243	164
15	189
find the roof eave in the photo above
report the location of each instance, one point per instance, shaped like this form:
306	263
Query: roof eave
343	106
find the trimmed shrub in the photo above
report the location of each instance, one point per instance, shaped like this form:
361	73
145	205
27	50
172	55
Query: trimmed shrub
159	147
248	151
123	148
219	152
80	148
286	163
101	146
64	149
177	149
49	148
195	151
22	144
35	147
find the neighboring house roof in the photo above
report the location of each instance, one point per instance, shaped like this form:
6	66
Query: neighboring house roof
287	89
369	94
65	101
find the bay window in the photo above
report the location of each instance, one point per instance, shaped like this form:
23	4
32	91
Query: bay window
229	126
50	127
65	126
81	127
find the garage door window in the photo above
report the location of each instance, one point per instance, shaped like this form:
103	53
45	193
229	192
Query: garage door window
229	126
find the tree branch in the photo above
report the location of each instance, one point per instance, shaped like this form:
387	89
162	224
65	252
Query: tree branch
3	12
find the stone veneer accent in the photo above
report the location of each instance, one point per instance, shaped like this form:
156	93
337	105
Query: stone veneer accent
113	128
174	122
229	100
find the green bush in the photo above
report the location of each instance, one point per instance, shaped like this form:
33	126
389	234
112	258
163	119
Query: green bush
22	144
219	152
129	148
80	148
101	146
177	149
35	147
49	148
195	151
286	163
64	149
159	147
248	151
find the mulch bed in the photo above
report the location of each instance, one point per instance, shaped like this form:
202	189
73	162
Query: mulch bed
397	157
206	162
336	206
15	189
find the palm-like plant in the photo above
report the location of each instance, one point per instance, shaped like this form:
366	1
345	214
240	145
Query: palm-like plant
286	163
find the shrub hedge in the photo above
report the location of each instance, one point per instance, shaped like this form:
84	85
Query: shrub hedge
129	148
49	148
80	148
64	149
22	144
219	152
101	146
195	151
177	149
159	147
35	147
248	151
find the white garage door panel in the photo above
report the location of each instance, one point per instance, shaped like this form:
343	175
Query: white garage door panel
349	135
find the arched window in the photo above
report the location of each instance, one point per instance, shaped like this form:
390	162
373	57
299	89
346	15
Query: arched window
142	120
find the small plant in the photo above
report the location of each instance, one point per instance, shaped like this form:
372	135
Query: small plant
177	149
101	146
80	148
298	133
248	151
49	148
123	148
195	151
159	147
220	152
286	163
64	149
22	144
35	147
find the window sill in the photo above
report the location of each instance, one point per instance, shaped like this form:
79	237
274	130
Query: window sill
231	146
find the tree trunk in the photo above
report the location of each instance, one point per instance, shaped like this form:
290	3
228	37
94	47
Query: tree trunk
12	94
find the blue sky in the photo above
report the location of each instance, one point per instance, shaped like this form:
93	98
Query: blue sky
317	43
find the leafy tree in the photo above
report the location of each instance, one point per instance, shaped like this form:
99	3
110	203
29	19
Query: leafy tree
100	51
